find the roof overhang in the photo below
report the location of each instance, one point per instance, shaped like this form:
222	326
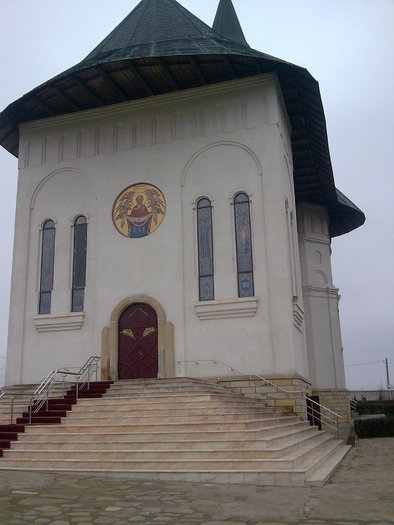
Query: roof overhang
110	80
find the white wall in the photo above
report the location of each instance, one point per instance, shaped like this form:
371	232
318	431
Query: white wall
321	299
211	141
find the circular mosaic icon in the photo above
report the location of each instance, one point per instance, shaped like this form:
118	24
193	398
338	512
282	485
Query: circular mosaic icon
139	210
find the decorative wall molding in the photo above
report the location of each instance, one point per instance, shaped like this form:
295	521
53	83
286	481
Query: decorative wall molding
142	124
226	308
221	143
48	177
321	291
322	239
298	317
58	323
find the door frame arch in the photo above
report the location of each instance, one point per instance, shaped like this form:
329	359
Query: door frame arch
110	343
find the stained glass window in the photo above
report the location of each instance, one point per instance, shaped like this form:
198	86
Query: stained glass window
47	264
243	239
79	264
205	250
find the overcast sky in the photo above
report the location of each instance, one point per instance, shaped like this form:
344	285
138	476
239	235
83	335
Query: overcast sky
347	45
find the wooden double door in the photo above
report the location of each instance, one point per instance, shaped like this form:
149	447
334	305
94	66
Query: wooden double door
138	342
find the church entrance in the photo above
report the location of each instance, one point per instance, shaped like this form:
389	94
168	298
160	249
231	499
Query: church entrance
138	342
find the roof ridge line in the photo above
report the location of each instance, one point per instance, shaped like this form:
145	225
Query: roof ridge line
181	9
99	47
142	14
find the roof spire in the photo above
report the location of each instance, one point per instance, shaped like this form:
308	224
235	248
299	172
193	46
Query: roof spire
226	23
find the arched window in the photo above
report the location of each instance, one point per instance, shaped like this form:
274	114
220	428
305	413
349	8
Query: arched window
243	240
205	250
47	264
79	264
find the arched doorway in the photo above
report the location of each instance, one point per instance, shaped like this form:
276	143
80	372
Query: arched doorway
138	342
110	338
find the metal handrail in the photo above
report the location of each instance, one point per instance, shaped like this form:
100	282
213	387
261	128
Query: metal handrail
314	412
41	395
13	395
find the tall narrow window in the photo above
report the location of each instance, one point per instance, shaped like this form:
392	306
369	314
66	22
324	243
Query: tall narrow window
79	264
47	263
205	249
243	239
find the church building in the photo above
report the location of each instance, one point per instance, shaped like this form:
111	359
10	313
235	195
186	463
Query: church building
175	210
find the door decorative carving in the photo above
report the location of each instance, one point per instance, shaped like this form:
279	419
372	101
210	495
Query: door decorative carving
138	342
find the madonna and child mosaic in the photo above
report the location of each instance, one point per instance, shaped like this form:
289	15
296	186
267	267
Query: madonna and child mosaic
139	210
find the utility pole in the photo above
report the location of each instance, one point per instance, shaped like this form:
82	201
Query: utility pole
389	387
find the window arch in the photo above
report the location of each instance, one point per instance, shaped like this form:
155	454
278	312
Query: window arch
205	250
47	266
243	243
79	264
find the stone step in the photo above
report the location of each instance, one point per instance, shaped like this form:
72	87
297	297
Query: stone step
290	478
76	426
170	407
43	412
155	465
114	443
6	408
127	417
166	409
163	399
321	471
164	454
155	383
130	390
281	436
144	441
6	404
7	415
326	447
160	383
313	462
158	433
165	393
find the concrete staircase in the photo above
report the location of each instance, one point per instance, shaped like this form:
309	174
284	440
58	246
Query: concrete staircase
15	414
179	429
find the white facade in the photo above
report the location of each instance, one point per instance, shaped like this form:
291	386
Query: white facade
321	300
206	142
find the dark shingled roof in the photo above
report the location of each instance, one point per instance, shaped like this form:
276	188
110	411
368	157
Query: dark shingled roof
226	23
161	47
158	28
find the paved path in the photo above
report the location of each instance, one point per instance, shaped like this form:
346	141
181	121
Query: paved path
361	492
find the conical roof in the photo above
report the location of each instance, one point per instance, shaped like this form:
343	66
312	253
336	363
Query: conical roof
159	28
226	23
161	47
